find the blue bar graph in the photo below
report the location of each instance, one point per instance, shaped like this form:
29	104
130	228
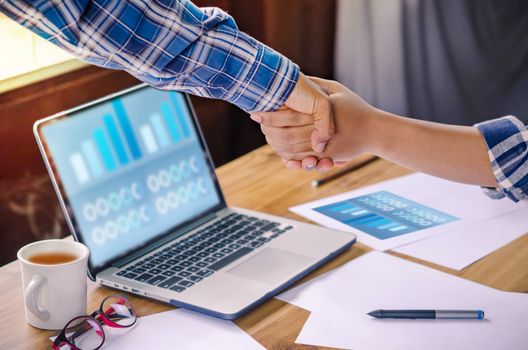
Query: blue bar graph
127	128
179	103
104	149
159	130
90	153
359	212
116	139
380	222
171	122
392	224
384	215
341	207
363	219
350	210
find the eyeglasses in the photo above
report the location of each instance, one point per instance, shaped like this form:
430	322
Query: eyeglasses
86	332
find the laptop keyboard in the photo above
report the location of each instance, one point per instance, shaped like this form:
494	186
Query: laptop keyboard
187	262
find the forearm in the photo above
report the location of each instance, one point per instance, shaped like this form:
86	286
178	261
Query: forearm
457	153
174	45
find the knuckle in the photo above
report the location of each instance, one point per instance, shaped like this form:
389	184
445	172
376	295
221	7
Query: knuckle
266	130
286	136
290	148
273	144
295	118
264	119
279	152
284	155
278	146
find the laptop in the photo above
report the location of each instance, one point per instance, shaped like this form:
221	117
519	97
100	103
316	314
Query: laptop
137	186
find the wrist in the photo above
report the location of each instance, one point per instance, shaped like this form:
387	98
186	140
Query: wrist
375	132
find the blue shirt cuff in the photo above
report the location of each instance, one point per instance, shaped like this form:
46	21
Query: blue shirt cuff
507	142
268	83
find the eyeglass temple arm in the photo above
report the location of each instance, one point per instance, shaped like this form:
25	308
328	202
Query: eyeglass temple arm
97	316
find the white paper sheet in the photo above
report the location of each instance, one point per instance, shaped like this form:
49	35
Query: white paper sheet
345	333
465	202
340	299
460	248
180	329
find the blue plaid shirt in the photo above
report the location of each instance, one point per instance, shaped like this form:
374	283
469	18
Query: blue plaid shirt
169	44
507	141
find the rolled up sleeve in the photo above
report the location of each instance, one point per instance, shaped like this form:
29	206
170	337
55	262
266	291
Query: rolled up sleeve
507	142
172	45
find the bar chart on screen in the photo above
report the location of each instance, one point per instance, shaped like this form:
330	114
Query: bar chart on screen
114	143
385	215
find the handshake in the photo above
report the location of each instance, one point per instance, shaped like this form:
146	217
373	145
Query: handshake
321	124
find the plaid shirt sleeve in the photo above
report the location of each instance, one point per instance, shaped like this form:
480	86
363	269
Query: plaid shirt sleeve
507	141
169	44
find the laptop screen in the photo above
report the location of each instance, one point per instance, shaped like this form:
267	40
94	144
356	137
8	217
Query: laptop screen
131	168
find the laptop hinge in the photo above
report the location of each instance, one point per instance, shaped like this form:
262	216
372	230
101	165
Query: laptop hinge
145	250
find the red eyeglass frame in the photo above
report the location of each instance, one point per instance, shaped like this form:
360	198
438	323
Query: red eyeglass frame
97	316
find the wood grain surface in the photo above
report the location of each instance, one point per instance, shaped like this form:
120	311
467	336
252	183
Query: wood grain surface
260	181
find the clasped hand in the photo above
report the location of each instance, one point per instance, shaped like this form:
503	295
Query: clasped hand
321	124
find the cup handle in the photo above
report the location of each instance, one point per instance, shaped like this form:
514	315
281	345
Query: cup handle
31	297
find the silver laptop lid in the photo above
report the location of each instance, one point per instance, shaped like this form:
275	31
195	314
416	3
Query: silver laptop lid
129	169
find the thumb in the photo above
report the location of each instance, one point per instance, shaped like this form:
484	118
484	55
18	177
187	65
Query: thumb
308	98
328	86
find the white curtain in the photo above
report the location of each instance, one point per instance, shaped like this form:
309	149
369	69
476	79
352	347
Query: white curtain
369	51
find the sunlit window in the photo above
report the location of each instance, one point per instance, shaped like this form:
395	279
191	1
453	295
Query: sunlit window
23	51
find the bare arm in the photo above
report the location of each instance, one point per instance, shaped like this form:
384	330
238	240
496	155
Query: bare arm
457	153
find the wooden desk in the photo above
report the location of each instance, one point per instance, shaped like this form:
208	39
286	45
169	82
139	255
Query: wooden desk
259	181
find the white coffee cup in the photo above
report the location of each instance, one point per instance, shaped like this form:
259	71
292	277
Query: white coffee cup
53	293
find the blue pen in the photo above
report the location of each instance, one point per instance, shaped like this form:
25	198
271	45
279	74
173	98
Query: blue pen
429	314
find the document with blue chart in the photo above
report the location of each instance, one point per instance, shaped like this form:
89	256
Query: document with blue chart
411	208
384	215
132	168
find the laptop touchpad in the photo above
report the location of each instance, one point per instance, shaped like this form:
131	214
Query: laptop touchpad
272	266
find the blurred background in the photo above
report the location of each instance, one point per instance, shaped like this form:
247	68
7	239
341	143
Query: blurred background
453	61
